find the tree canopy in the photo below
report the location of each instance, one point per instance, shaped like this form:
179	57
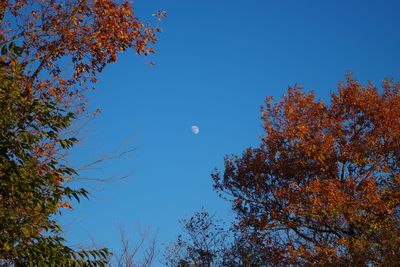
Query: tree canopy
51	51
65	44
322	188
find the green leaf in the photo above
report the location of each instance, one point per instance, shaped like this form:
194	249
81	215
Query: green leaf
4	50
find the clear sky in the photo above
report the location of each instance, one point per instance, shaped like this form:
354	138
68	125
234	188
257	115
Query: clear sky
216	62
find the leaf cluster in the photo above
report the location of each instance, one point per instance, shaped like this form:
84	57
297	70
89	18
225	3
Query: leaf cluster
33	184
51	51
322	187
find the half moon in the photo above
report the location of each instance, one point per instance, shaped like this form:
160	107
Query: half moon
195	129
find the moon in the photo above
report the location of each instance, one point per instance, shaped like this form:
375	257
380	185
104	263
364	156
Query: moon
195	129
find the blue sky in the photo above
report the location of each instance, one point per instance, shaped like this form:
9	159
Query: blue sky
216	62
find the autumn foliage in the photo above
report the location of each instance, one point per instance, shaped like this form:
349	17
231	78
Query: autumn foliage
323	186
51	52
67	43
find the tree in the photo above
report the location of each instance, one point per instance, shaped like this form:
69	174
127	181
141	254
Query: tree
32	189
203	243
140	254
322	188
206	242
51	52
85	35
